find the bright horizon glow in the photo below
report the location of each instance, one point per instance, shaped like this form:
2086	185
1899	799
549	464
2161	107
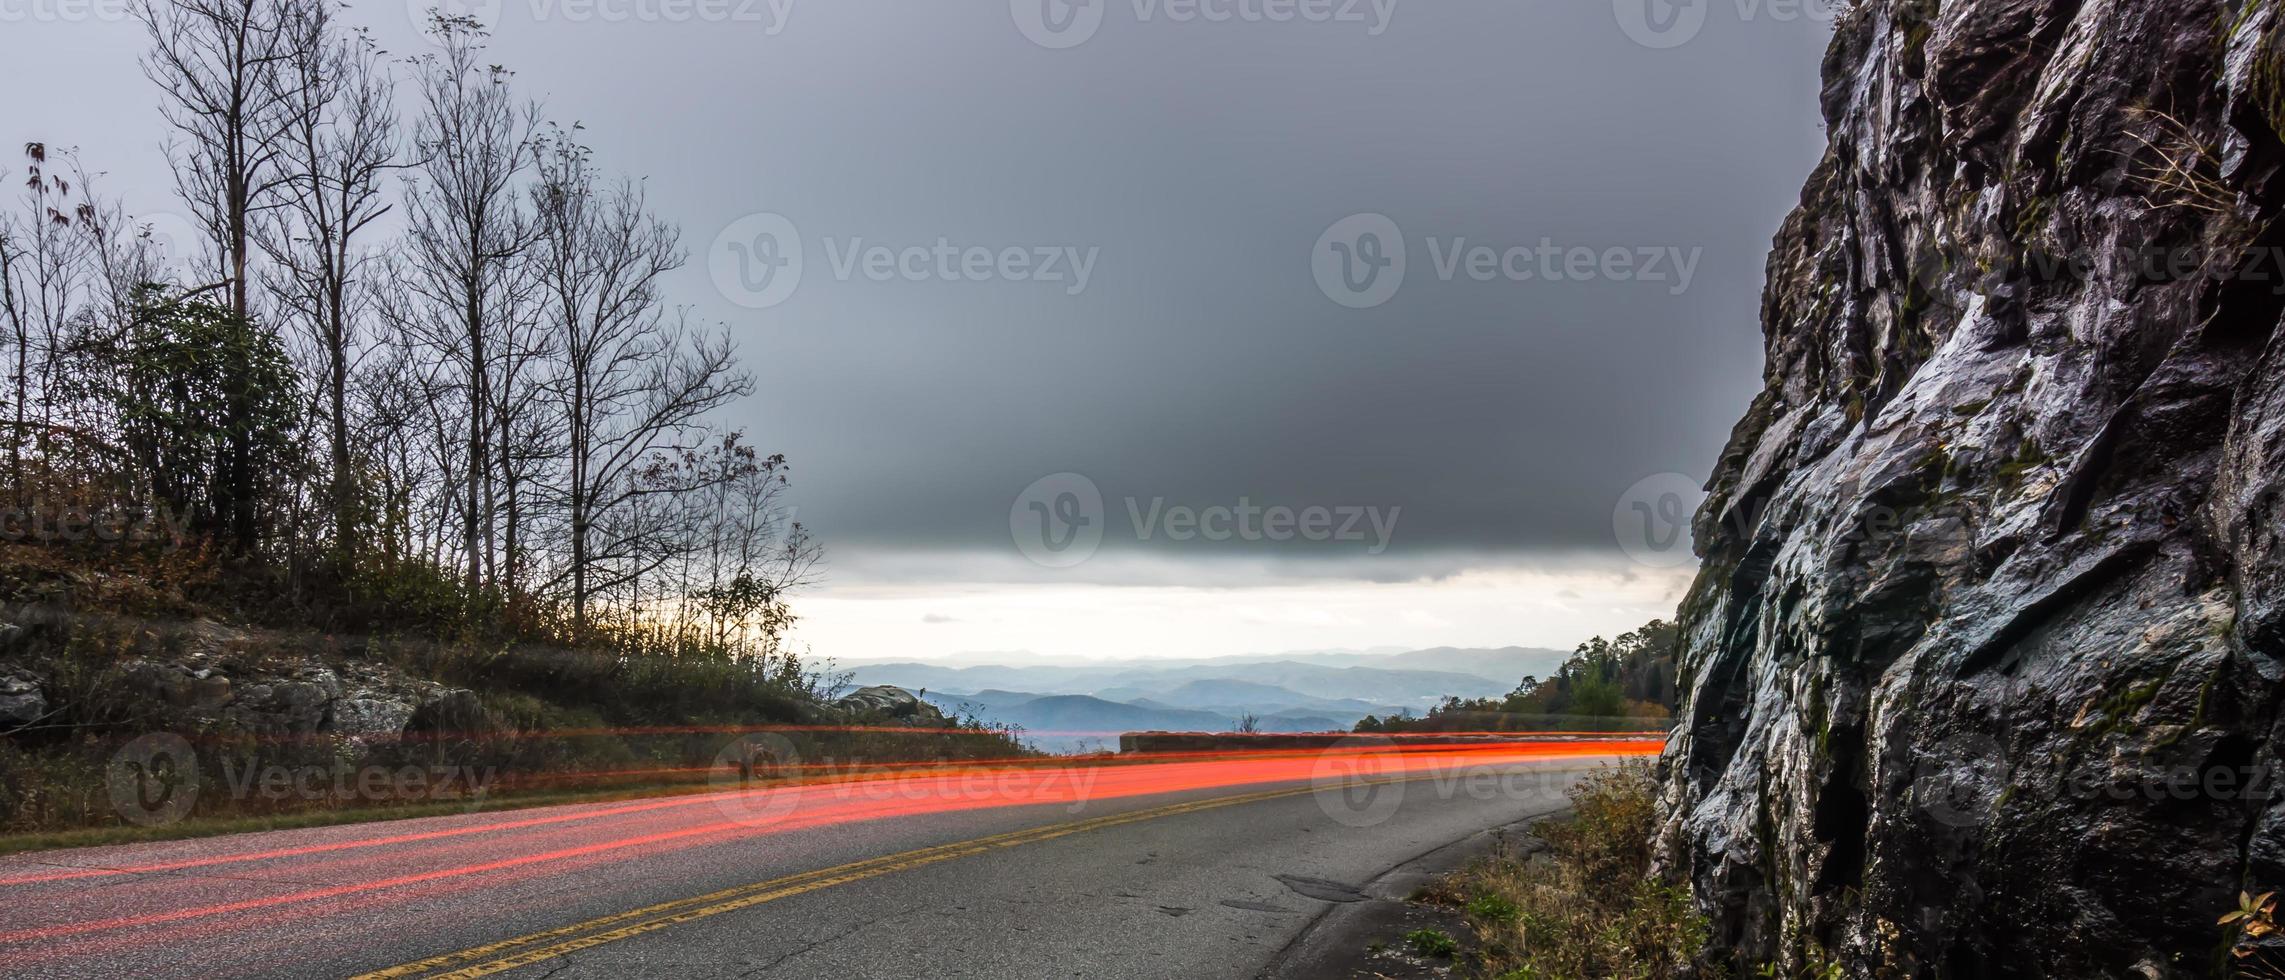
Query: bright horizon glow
876	620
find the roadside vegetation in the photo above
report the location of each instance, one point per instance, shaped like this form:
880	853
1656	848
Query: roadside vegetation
481	725
1578	897
1587	904
2257	946
1607	686
381	444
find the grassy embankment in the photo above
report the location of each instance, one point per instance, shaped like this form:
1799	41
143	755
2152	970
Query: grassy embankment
619	716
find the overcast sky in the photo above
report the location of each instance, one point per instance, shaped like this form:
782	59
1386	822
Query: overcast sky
1168	283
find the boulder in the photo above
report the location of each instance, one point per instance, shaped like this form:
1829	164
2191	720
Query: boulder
22	699
295	707
455	713
883	702
207	640
370	716
209	690
163	683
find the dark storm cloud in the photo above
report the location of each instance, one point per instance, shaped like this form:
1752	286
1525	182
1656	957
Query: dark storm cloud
1193	166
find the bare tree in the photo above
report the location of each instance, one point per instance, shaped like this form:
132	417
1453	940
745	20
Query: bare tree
467	228
509	397
220	64
631	379
339	133
753	554
43	279
527	438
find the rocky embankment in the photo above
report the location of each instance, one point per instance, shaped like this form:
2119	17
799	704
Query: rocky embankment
1982	669
201	677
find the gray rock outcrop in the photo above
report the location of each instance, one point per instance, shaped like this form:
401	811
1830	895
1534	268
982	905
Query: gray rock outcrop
883	702
1982	670
22	700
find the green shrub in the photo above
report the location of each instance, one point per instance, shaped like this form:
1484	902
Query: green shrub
1493	909
1435	943
1589	906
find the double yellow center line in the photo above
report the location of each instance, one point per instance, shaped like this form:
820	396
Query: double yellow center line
509	954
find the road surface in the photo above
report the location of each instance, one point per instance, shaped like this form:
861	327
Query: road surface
1196	868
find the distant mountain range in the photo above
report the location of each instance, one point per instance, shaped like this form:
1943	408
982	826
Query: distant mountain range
1085	705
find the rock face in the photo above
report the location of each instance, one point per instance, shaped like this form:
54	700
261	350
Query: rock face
206	677
1982	670
455	713
882	702
22	702
371	716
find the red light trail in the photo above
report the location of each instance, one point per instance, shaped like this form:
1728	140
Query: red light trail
44	909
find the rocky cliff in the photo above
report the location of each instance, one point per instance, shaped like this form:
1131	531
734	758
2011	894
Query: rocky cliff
1983	666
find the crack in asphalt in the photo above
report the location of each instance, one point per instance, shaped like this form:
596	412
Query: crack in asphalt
1321	889
1253	906
780	960
562	963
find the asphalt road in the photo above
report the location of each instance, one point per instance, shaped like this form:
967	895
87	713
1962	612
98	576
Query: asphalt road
1202	868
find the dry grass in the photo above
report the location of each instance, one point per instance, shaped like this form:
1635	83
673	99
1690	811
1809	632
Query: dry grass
1588	906
555	725
2186	173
